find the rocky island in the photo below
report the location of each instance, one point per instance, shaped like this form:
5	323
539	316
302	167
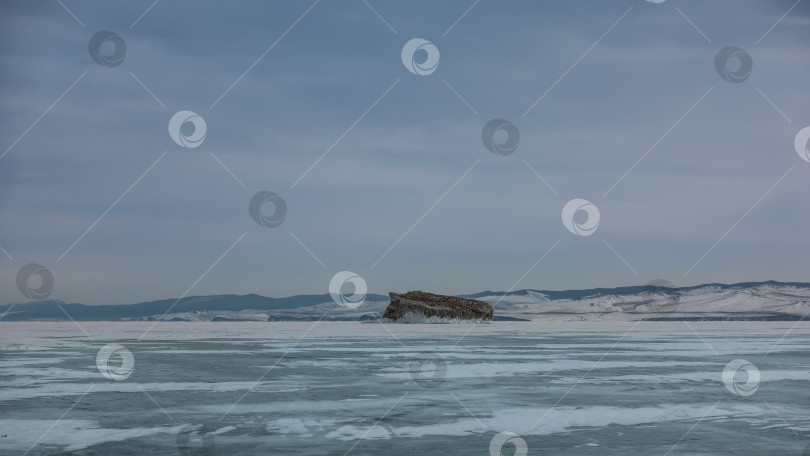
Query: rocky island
421	304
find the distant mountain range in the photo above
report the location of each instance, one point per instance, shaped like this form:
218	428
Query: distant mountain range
743	301
230	303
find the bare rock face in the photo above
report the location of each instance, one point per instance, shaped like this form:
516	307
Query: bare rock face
434	305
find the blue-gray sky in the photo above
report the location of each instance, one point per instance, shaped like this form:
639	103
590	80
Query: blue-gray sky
621	79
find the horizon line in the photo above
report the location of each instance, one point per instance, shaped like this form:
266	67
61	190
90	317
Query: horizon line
649	284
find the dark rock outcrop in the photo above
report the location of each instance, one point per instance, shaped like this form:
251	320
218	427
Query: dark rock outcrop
434	305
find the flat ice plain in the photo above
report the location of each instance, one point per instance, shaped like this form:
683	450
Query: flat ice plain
648	388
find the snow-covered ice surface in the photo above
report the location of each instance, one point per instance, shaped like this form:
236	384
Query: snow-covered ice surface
310	388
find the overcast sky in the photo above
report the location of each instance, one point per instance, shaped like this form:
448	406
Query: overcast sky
403	191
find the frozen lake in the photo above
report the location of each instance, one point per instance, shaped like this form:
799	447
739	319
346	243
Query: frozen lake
368	389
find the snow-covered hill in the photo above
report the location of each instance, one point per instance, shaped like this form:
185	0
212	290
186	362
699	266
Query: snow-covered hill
767	300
